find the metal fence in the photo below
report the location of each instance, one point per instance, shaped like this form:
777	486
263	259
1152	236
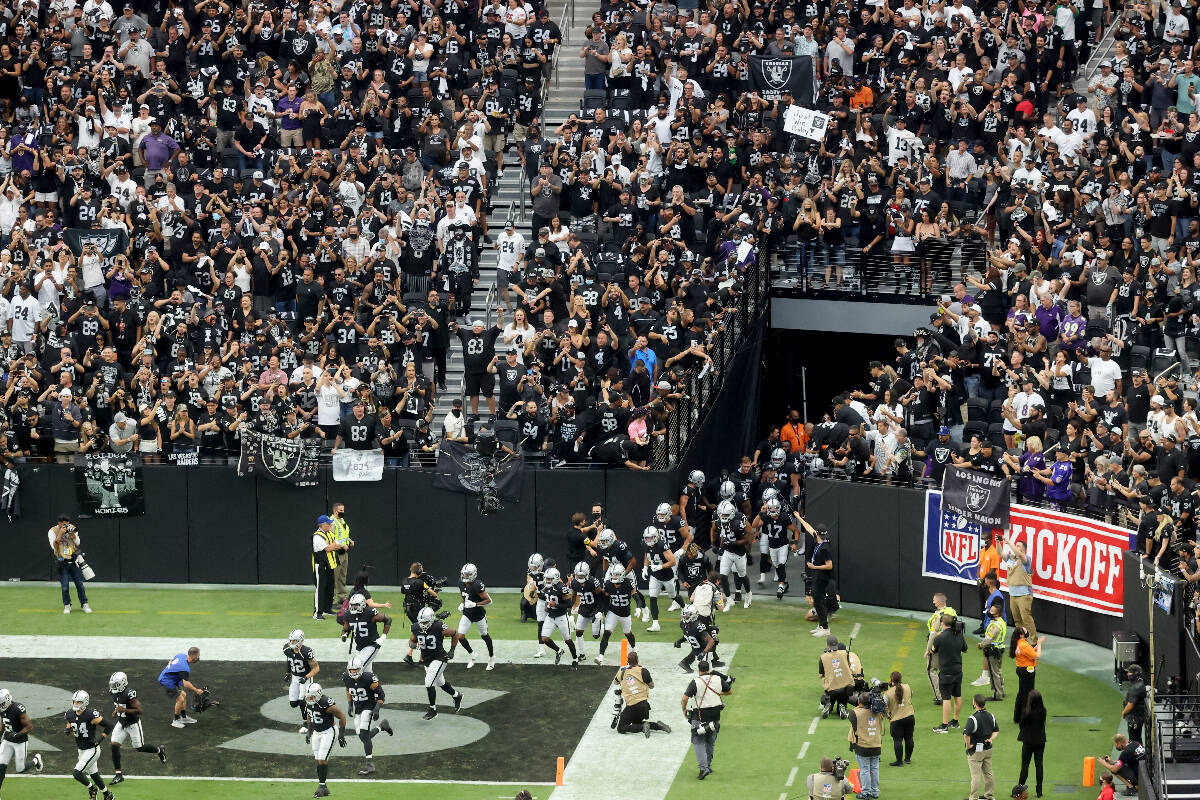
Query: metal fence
703	384
844	271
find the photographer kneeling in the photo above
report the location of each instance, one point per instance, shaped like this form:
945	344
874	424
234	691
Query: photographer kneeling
703	695
635	683
838	668
830	783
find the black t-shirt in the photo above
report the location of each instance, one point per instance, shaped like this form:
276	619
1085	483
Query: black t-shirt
949	646
1131	755
820	557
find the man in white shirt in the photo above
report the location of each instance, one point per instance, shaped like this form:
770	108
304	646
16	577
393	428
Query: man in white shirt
26	315
1022	403
1106	374
1030	174
1071	144
958	73
1050	131
1083	119
454	423
510	245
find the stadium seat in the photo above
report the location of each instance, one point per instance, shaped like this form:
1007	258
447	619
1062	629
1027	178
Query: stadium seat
1163	358
973	429
995	434
508	432
977	409
1139	356
1052	436
593	99
996	412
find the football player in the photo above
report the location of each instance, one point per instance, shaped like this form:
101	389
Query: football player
559	602
16	726
615	551
691	571
618	593
302	668
707	598
659	563
535	594
695	509
82	723
474	612
734	535
589	592
322	711
676	536
782	538
364	696
127	708
698	634
362	622
427	635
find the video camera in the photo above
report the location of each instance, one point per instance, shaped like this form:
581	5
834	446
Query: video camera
875	689
618	707
840	765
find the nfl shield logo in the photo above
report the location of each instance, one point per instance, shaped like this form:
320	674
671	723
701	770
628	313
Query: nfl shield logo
978	497
777	72
960	548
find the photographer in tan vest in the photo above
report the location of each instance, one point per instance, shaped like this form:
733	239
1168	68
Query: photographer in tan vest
1020	585
635	685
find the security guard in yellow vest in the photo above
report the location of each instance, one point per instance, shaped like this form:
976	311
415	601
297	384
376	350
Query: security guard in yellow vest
824	785
838	668
341	530
635	685
934	626
866	740
324	552
992	645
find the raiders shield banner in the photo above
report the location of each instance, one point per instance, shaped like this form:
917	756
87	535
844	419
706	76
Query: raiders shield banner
358	465
978	497
461	469
107	240
280	459
771	77
109	485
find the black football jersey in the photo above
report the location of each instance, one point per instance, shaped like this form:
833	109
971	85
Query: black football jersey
82	729
299	662
588	591
473	591
775	529
320	718
362	696
429	642
692	571
731	532
558	599
536	577
656	557
618	596
364	627
10	720
696	632
619	553
124	698
672	532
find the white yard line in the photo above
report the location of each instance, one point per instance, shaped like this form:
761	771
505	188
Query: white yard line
803	752
144	778
812	726
854	631
791	778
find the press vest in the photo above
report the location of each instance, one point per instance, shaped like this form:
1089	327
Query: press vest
838	667
868	732
633	686
329	555
898	710
1017	576
823	786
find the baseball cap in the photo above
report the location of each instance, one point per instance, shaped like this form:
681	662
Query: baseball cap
1158	398
476	323
324	520
943	431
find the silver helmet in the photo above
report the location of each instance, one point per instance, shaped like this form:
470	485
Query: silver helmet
425	618
583	571
358	604
727	490
650	536
663	513
468	573
688	613
726	511
118	682
535	563
696	477
606	539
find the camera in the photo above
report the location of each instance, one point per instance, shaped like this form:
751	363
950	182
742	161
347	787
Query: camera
618	707
84	568
840	765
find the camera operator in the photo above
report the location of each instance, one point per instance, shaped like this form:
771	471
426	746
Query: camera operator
934	625
837	667
866	738
828	784
419	591
949	645
702	706
903	718
635	685
64	543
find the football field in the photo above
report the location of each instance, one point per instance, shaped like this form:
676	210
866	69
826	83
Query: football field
515	721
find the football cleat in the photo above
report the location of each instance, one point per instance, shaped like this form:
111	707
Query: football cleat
749	599
386	727
654	628
491	665
118	778
600	659
558	654
322	791
162	753
368	768
430	714
760	580
93	793
674	606
303	729
470	661
458	701
37	762
779	592
686	667
541	651
177	723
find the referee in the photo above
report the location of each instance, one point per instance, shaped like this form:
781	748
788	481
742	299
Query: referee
325	549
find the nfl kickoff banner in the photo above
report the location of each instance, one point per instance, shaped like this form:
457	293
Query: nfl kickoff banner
1076	561
279	458
771	77
107	240
109	485
979	496
461	469
358	465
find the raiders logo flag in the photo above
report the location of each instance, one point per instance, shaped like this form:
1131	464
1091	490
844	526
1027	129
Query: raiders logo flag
107	240
978	497
462	469
279	458
771	77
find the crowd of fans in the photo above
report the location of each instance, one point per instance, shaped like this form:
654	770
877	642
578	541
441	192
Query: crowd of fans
219	216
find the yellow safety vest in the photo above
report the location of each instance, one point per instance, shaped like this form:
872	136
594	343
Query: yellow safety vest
633	686
997	631
330	555
342	530
934	625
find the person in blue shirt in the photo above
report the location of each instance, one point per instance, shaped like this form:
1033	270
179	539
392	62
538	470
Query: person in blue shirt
641	351
175	679
1058	478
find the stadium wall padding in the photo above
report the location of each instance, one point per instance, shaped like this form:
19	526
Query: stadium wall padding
206	525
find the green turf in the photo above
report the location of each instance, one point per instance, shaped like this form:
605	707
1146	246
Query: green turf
764	729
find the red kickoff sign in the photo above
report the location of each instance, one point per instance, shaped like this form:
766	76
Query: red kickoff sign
1075	561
